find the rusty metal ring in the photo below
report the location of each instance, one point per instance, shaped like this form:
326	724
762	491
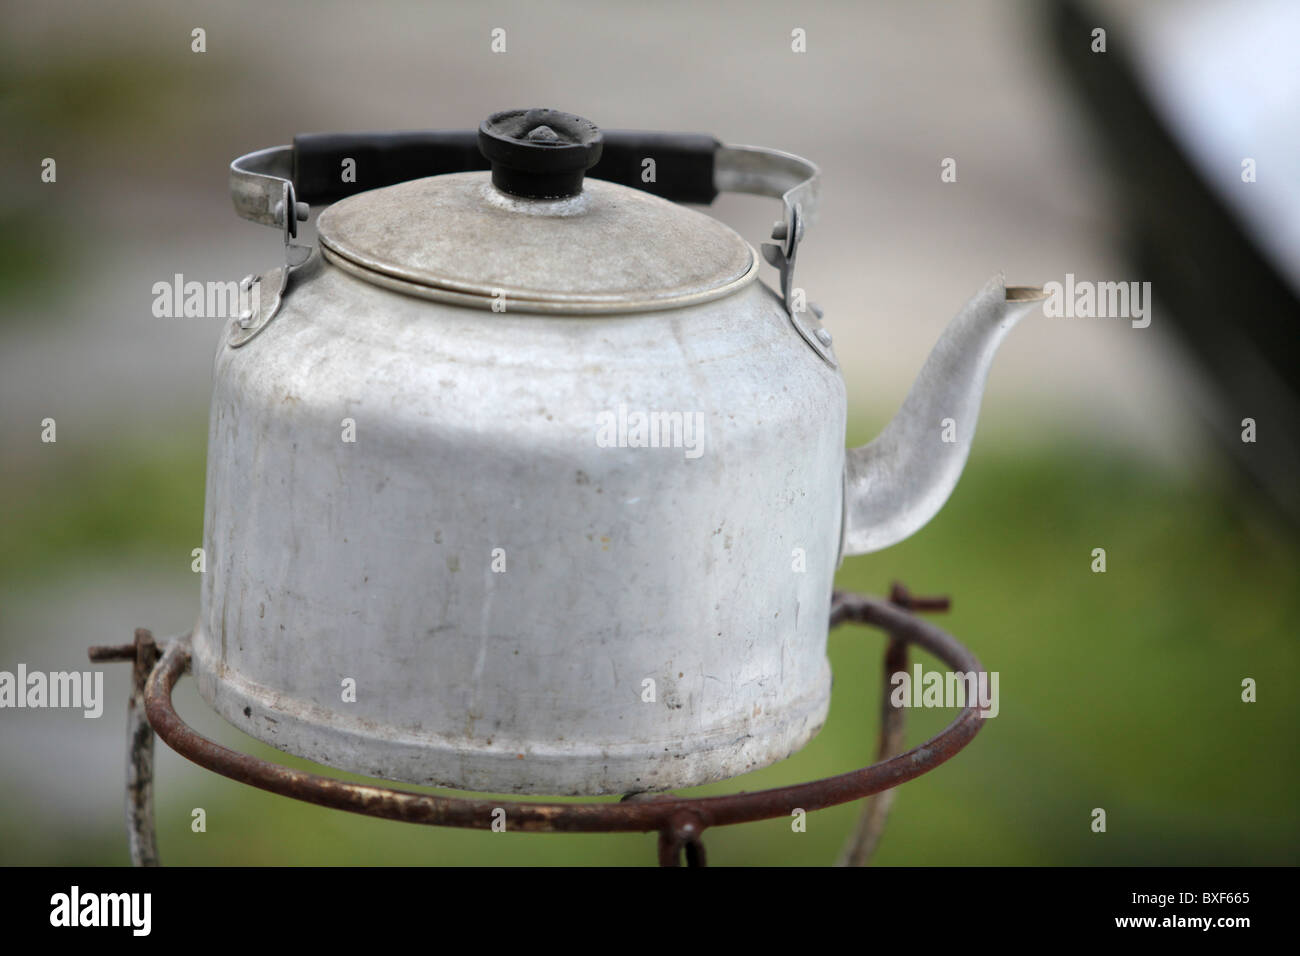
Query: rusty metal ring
680	820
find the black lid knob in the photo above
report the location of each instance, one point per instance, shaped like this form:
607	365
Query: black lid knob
539	153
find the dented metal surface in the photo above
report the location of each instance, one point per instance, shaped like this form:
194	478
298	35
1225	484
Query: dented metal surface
425	564
373	560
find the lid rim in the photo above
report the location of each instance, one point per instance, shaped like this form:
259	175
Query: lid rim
612	249
571	306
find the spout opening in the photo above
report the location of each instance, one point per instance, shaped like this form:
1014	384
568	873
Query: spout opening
1025	293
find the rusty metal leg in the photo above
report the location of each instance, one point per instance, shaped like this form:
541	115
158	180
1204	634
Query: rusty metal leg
139	762
871	824
866	835
140	745
682	833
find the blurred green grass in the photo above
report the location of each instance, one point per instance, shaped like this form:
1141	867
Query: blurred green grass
1118	690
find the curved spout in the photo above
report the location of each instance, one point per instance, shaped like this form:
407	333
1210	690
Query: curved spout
899	481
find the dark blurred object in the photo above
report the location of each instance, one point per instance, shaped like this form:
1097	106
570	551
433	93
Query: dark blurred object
1228	293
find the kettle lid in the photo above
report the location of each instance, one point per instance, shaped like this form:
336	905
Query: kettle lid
535	235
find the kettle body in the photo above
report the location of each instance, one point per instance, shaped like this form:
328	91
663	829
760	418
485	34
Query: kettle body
521	485
527	595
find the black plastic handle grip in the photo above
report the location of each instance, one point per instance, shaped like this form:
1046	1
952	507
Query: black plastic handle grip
381	159
682	169
683	163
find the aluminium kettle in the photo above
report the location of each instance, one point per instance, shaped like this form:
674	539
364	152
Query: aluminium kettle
522	481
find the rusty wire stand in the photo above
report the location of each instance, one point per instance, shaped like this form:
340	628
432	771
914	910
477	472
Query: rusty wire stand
680	821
